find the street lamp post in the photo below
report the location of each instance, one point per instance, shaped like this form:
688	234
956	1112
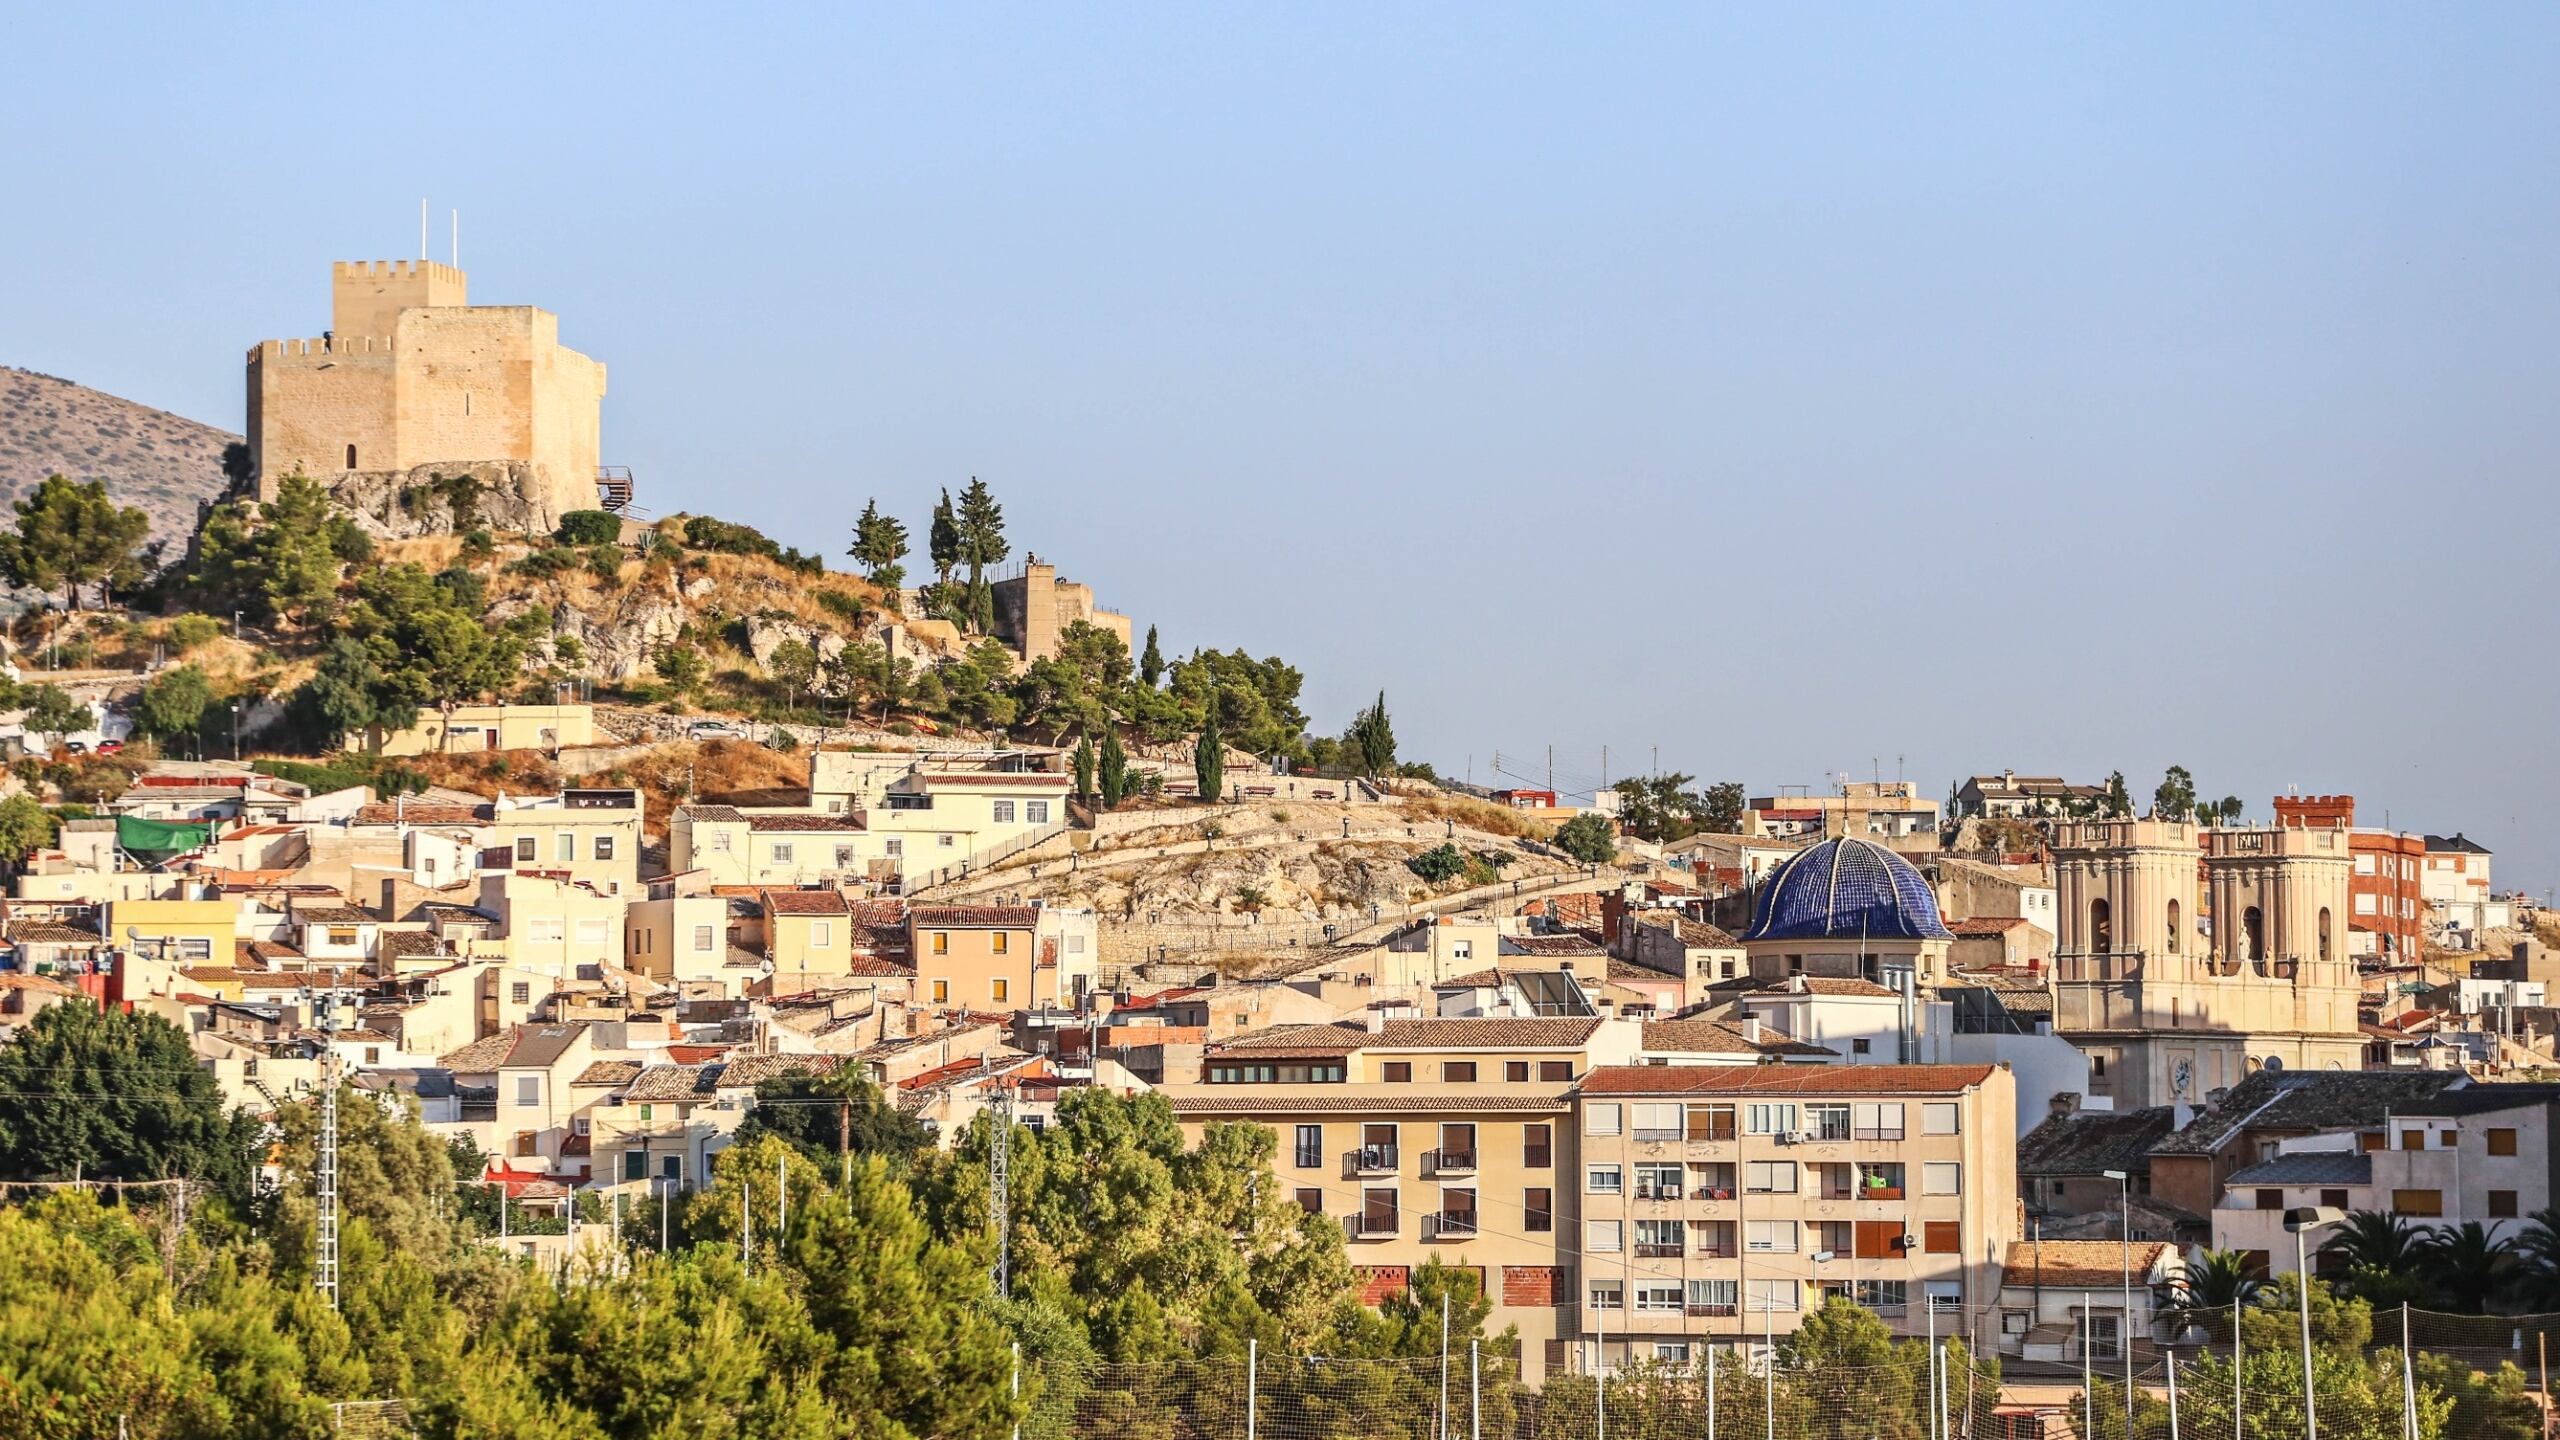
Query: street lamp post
2124	1189
2300	1223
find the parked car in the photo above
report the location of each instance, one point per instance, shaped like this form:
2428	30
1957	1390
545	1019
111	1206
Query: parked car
712	730
110	747
76	747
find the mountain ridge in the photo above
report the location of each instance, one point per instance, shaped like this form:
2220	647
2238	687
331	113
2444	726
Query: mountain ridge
162	462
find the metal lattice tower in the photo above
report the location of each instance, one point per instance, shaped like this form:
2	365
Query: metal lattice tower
324	1272
1000	1186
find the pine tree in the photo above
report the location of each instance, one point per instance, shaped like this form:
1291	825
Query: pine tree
1084	768
982	543
1114	770
1373	737
879	543
1209	762
69	535
1151	663
943	540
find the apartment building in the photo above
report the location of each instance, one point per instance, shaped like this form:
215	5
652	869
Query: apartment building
589	835
1424	1138
2472	1152
1718	1202
1002	957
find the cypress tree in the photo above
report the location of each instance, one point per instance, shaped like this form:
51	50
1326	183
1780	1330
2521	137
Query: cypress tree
1115	770
1209	763
1084	768
1151	663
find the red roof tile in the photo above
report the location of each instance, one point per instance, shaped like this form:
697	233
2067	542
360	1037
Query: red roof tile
1783	1079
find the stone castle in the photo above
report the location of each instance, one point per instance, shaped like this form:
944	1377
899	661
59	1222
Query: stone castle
413	380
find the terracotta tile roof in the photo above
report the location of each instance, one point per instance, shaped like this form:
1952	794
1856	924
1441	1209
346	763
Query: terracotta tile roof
1699	935
1722	1037
872	967
35	984
1982	926
1482	1034
972	917
1298	1042
805	902
823	824
1033	779
1211	1101
480	1056
1822	985
609	1072
2089	1141
2326	1167
673	1082
333	915
2307	1100
33	932
1561	945
270	951
1783	1079
2067	1263
409	942
713	814
745	1072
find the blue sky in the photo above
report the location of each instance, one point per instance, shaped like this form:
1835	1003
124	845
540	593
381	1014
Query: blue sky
1792	389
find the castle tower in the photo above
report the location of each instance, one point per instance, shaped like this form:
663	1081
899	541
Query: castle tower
414	382
367	296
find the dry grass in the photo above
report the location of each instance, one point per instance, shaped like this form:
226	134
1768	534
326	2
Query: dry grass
726	772
1474	814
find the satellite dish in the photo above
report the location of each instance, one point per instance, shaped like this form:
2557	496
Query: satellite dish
2275	1062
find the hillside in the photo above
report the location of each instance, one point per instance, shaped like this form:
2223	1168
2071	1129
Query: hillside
162	462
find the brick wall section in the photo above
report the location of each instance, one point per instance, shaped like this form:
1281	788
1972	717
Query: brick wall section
1531	1285
1379	1282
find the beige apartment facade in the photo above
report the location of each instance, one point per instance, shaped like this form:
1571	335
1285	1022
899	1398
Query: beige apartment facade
2171	1007
1718	1204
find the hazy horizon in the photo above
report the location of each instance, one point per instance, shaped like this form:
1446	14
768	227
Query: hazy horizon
1792	392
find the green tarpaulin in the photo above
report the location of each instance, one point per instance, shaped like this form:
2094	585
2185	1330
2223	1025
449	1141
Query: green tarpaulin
160	837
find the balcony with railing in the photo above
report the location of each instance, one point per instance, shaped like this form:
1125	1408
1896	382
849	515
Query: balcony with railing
1372	1227
1714	1312
1649	1190
1449	1225
1659	1250
1448	1162
1372	1160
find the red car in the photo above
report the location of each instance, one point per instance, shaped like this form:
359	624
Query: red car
109	747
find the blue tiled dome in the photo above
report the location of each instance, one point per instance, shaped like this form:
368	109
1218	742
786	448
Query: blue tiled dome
1842	889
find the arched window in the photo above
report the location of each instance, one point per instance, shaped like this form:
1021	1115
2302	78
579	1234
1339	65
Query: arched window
2173	927
2324	932
2253	934
2102	939
351	457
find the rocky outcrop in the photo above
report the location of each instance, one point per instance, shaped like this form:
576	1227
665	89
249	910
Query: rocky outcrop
506	497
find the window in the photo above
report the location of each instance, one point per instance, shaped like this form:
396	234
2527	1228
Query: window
1311	1201
1458	1072
351	457
2173	927
941	942
946	841
1712	1297
1768	1295
1769	1237
1555	1069
2413	1139
1603	1180
1768	1119
1710	1123
1877	1240
1940	1117
719	842
1858	1046
1308	1152
1670	1352
635	1164
822	934
845	856
1887	1295
1515	1071
2424	1203
941	992
2364	904
1538	1210
996	989
520	993
1942	1177
1607	1294
1655	1120
1660	1299
1004	812
564	845
1602	1237
2502	1204
1075	946
342	934
1879	1122
595	930
1942	1237
1396	1072
998	942
1537	1147
1036	811
2444	1139
546	927
1462	949
893	847
528	1089
1769	1177
702	941
2270	1198
604	847
2334	1199
1655	1181
1827	1122
2502	1142
525	849
1600	1118
528	1143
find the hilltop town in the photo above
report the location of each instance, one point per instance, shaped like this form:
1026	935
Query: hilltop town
441	854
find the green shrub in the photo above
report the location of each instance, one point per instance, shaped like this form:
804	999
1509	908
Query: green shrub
590	527
190	631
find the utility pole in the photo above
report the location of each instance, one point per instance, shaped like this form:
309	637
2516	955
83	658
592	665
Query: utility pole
999	1187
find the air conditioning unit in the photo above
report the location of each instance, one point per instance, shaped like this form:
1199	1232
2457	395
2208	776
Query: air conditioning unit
1783	1138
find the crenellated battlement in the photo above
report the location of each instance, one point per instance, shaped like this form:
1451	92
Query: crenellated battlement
380	270
325	349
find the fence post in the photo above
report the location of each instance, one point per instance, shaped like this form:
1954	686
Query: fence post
1475	1394
1252	1362
2173	1395
1017	1387
2408	1381
1711	1392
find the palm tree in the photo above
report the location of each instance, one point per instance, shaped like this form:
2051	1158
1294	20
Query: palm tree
2537	1251
2383	1255
2469	1267
2217	1280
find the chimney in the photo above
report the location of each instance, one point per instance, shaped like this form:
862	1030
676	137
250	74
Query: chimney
2065	1103
1751	1028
